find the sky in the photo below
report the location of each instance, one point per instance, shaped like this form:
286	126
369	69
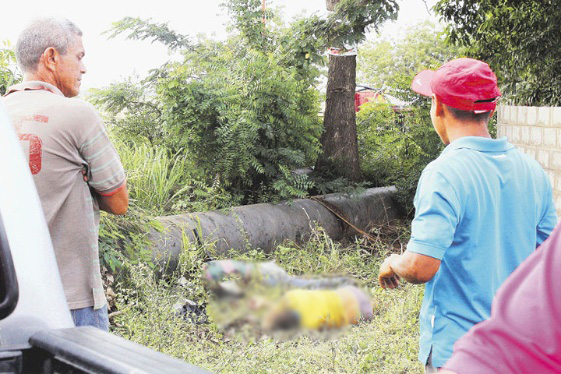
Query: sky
115	59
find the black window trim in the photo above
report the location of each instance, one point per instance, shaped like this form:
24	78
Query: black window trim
8	275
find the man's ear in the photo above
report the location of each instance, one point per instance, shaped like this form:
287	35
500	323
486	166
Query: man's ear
438	106
50	58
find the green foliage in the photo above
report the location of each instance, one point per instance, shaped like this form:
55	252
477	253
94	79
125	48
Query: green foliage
164	183
352	18
348	23
244	114
246	109
9	73
391	64
395	147
519	39
139	29
148	315
134	114
245	118
248	18
125	239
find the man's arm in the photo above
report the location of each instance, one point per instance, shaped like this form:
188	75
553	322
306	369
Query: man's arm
116	203
413	267
548	221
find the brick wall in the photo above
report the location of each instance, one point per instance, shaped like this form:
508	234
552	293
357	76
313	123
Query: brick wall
537	132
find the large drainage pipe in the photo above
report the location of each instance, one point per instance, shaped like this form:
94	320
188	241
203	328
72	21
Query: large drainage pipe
264	226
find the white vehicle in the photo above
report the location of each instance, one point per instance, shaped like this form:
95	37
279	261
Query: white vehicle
37	334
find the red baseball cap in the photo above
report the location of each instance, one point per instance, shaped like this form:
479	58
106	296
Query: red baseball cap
464	84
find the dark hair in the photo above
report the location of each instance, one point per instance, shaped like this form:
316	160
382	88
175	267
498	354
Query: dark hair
470	116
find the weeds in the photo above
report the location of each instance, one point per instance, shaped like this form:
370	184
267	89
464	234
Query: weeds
164	183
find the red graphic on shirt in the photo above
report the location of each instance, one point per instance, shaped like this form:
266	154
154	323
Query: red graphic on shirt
35	143
40	118
35	151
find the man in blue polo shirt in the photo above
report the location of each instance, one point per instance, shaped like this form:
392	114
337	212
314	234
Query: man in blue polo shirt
481	208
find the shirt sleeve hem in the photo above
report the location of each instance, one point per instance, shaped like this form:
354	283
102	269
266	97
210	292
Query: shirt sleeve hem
426	249
113	192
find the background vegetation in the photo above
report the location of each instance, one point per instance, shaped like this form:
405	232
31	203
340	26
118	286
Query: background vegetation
226	123
518	39
396	142
390	63
8	72
198	107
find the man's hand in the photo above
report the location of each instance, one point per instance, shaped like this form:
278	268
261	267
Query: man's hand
387	276
85	173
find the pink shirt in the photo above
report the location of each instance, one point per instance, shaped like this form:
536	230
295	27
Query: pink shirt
523	334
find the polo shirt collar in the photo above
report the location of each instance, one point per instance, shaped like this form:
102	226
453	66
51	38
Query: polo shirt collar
479	143
34	85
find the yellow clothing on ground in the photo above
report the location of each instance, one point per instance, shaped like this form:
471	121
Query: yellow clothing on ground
317	308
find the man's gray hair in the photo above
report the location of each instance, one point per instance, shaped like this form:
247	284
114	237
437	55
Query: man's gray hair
41	34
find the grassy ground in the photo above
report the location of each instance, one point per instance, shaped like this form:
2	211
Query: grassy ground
387	344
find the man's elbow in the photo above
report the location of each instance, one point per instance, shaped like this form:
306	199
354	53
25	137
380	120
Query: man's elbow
120	210
416	277
120	206
418	269
117	203
418	272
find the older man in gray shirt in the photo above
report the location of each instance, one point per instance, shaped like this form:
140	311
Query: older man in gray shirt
62	137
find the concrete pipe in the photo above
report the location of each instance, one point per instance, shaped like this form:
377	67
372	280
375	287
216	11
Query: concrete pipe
264	226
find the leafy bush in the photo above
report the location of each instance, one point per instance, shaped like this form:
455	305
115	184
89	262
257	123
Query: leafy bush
247	115
395	147
9	74
244	118
519	40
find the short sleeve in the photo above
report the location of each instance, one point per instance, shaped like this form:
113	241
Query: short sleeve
549	218
437	212
105	171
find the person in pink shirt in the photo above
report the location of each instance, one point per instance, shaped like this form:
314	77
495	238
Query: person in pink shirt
523	334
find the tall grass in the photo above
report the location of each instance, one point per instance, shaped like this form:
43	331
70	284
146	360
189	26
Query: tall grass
163	183
155	178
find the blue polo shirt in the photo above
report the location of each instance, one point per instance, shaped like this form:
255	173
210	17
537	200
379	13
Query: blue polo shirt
481	207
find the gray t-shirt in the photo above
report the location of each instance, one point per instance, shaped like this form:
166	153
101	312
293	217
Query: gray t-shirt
60	136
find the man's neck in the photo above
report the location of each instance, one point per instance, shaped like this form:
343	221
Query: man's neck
37	76
457	130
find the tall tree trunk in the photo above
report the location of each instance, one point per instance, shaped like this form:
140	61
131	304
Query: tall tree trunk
339	139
